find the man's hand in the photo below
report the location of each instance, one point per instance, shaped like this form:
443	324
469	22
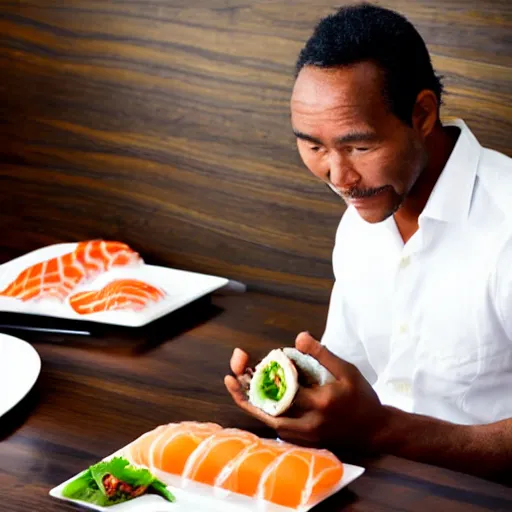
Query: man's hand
346	412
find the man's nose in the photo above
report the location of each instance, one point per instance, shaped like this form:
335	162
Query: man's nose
341	173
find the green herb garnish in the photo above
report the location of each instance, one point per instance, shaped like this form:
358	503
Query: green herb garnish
273	383
114	481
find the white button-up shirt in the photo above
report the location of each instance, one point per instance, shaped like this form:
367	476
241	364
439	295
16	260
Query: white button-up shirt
429	322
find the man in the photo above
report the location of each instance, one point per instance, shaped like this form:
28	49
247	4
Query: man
419	331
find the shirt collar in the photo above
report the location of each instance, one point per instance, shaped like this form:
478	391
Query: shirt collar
450	199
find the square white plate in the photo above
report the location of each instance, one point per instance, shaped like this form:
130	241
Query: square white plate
194	496
181	288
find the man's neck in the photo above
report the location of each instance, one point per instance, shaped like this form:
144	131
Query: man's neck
440	145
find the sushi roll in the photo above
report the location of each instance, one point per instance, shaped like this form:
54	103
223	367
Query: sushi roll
274	383
311	372
275	380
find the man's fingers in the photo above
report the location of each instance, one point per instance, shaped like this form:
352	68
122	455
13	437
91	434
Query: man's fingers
239	361
297	427
299	438
240	398
300	427
235	389
305	400
308	345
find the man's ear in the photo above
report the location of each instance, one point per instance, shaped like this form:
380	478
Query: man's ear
425	113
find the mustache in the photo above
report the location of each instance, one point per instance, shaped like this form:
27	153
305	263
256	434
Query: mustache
360	193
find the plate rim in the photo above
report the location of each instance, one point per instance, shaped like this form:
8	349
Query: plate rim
37	371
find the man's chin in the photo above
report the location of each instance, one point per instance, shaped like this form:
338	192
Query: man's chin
373	216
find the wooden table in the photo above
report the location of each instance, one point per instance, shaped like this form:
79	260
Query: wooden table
97	393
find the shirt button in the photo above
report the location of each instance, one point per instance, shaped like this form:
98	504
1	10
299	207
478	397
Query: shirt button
403	329
404	261
402	387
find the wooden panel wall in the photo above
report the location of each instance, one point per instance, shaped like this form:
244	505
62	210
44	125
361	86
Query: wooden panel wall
165	123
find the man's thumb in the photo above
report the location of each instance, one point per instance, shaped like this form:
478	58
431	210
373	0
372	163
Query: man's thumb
309	345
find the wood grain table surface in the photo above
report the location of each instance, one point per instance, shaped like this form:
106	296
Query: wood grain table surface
166	124
96	393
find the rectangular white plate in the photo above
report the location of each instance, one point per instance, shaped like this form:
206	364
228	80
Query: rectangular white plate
181	287
199	497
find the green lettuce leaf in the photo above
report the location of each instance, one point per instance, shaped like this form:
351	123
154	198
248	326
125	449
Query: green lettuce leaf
161	488
273	381
89	485
122	470
84	488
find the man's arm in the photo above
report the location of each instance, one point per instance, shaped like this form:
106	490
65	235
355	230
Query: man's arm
482	450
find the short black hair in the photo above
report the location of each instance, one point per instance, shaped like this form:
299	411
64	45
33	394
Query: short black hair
366	32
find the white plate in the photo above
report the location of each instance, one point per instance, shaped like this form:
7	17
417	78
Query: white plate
199	497
181	287
19	368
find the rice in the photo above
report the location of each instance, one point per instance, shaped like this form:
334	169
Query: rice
309	368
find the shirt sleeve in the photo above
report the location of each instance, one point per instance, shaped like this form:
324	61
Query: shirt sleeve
340	335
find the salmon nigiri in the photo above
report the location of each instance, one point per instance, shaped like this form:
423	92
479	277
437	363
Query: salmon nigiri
168	447
119	294
57	277
171	449
138	452
243	473
300	476
210	457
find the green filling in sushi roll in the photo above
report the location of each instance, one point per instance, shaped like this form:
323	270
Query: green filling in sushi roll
273	381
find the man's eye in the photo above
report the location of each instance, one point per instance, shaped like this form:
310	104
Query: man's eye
362	149
315	149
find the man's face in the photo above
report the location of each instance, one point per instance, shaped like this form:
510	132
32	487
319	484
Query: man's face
347	137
